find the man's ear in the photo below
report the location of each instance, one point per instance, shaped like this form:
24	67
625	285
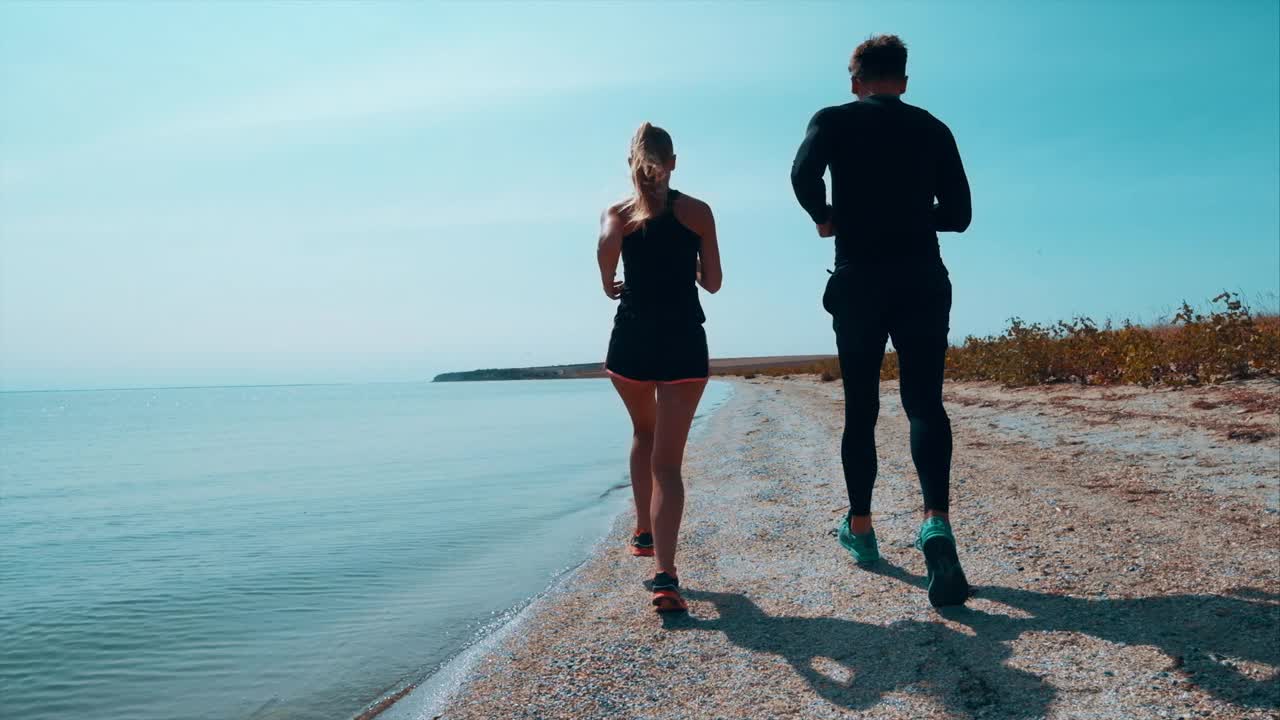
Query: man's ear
904	83
673	164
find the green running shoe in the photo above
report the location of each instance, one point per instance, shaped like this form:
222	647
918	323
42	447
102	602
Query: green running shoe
947	584
863	548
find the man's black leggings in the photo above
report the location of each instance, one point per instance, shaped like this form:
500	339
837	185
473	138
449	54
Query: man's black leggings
909	302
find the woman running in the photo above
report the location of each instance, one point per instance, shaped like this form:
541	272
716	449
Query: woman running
658	351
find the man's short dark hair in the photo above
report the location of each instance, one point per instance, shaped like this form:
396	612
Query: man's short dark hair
880	57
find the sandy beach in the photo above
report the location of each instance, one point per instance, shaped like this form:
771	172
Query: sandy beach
1124	542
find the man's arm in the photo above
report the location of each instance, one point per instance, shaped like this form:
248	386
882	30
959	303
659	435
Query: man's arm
806	172
954	208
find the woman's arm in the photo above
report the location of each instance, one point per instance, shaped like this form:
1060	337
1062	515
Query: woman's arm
608	250
699	219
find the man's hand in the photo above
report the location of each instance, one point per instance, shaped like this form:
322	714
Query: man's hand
613	288
828	228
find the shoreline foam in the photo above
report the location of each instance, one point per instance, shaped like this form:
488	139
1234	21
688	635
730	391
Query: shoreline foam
427	698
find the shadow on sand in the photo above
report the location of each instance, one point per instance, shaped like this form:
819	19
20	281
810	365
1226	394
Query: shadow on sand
853	664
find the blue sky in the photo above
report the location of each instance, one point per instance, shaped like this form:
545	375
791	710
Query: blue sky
325	192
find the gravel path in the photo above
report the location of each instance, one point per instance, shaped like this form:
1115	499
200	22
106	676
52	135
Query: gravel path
1126	546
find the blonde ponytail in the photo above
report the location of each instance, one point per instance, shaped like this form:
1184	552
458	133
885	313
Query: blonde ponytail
651	153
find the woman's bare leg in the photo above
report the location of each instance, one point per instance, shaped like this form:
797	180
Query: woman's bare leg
639	397
676	406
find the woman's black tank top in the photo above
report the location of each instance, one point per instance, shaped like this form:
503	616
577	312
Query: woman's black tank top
660	272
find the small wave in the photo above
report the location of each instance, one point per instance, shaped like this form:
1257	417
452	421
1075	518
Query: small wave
615	488
424	697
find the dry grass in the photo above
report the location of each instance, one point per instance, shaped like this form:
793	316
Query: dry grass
1228	342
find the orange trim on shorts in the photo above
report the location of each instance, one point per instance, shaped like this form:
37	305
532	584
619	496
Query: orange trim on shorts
624	378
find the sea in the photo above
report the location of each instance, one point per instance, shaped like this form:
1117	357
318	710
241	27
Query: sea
286	551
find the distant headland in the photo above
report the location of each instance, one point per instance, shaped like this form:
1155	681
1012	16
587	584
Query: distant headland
547	372
721	366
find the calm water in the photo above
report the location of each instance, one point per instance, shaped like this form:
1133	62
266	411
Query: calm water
283	552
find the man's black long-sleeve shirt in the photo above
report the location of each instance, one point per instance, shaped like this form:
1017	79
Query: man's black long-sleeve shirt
889	161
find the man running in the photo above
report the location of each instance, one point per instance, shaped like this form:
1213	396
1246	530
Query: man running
889	163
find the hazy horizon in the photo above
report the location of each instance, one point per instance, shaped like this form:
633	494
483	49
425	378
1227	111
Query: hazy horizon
229	194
